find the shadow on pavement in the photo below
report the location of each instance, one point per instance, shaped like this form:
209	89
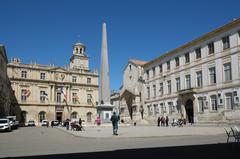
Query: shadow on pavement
185	152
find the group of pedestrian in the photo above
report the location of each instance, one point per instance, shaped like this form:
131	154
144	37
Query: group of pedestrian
73	124
162	121
114	119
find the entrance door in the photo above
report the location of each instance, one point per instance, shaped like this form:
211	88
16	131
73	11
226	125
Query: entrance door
189	110
129	102
59	116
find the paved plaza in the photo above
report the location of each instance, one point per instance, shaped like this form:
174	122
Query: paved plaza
32	141
129	131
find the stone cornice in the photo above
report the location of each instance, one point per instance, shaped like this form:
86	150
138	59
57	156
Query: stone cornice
52	82
197	41
195	64
54	105
51	69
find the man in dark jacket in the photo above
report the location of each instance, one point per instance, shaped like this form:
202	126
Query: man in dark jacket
115	119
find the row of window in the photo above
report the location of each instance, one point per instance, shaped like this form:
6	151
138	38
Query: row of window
199	81
44	97
42	116
43	77
216	102
198	53
154	110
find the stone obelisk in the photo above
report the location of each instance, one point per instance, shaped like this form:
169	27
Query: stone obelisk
104	108
104	70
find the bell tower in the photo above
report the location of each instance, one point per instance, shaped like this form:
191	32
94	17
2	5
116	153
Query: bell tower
79	59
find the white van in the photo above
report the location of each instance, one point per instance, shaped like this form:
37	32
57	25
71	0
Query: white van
13	122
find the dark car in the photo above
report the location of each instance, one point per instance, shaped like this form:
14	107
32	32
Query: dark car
55	123
31	123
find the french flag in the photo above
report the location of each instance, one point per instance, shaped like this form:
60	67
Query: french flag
64	94
27	93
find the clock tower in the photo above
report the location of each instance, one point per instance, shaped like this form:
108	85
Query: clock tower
79	59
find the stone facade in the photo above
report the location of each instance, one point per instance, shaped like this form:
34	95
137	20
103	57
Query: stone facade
115	101
199	81
56	93
8	103
131	92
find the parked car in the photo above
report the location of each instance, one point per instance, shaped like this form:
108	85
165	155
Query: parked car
5	124
44	122
31	123
14	123
55	123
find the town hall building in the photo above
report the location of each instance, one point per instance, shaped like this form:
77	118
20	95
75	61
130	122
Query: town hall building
47	92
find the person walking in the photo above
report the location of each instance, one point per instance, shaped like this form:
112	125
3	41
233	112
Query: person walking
98	121
80	124
158	121
191	120
167	121
114	119
67	124
162	121
52	124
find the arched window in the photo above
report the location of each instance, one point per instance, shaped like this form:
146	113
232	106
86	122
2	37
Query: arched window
77	50
89	117
42	116
74	115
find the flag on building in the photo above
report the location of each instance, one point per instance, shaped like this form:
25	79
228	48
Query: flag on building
27	93
45	95
64	95
77	98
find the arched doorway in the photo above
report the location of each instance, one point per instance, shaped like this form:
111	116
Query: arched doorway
89	117
189	110
129	102
42	116
23	117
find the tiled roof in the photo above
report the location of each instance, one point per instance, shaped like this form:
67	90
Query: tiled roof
137	62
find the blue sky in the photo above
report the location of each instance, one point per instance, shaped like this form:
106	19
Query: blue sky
45	30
